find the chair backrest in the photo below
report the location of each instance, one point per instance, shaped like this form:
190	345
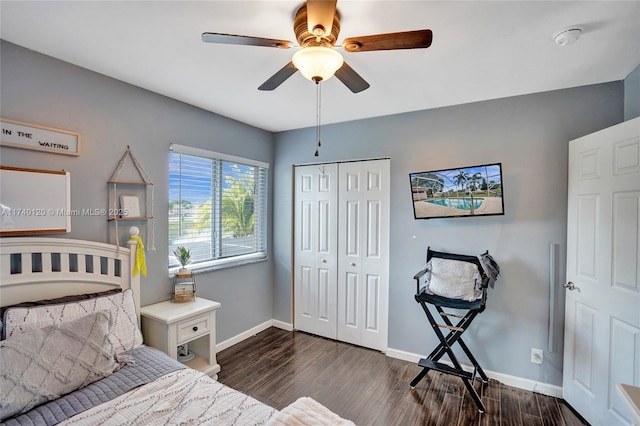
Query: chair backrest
488	272
453	256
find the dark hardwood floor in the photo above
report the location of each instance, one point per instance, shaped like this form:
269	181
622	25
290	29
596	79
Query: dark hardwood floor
365	386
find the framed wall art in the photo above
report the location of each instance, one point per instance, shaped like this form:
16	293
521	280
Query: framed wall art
130	206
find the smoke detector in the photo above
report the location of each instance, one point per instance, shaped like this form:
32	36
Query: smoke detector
567	36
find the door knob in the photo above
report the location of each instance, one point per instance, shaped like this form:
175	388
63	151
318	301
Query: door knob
353	264
569	286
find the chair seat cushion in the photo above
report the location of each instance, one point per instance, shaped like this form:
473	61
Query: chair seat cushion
454	279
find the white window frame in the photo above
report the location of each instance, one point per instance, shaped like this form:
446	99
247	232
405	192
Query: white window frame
239	259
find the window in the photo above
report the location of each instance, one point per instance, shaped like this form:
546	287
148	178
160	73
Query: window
217	208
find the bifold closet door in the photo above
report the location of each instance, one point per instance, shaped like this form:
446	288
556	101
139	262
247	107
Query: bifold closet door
341	251
363	253
315	249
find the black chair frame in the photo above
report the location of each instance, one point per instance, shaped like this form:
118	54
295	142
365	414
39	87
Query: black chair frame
473	308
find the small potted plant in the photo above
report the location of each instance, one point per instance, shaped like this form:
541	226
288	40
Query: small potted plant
183	255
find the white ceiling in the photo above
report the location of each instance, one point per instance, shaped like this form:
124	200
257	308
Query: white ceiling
481	50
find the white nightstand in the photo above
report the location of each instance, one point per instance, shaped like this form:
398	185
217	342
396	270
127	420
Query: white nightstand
166	325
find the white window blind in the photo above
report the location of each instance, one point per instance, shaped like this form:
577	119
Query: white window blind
217	207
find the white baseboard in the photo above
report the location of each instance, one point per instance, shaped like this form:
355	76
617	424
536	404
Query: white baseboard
283	325
252	332
518	382
242	336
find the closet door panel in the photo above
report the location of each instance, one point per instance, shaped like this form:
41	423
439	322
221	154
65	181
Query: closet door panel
351	300
363	210
324	291
305	306
315	249
372	313
352	228
373	228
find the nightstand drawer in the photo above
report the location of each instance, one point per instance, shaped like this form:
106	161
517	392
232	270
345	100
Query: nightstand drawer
195	327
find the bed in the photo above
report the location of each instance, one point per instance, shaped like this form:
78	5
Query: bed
76	356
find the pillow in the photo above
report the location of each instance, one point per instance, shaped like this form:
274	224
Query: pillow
454	279
125	333
64	299
44	364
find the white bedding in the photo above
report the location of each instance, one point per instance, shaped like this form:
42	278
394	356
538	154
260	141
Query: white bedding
185	397
307	411
181	396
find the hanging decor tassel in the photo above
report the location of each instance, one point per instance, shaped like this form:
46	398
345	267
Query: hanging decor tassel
318	108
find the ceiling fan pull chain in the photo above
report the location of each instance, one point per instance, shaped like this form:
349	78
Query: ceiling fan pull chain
318	108
319	111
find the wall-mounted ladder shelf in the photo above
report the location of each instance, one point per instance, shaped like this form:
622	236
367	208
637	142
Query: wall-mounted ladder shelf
131	197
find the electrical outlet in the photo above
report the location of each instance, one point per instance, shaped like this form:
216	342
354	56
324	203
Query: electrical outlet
536	356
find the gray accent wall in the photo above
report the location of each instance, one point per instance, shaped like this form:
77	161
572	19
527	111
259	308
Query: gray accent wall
529	135
110	115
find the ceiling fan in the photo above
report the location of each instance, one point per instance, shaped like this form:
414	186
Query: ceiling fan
316	26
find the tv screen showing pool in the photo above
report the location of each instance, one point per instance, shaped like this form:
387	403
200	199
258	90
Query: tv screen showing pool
458	192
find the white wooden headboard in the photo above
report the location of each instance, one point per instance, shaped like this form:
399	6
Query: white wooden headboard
35	268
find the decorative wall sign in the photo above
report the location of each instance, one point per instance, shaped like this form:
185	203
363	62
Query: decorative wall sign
39	138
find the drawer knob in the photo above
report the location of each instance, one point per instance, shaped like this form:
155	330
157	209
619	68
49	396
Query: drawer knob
195	329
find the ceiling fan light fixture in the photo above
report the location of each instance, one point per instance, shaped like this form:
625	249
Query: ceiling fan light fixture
317	63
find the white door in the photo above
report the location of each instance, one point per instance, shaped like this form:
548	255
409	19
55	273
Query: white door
315	249
602	312
363	253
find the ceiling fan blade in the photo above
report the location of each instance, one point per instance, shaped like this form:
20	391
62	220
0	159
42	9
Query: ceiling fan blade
320	15
278	78
418	39
244	40
351	79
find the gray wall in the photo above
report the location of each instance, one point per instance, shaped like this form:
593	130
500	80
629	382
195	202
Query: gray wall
632	95
110	115
529	135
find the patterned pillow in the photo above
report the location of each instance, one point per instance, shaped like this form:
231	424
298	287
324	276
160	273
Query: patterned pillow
44	364
56	301
125	333
455	279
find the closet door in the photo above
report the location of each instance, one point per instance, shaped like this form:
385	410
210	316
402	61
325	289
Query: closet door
315	249
363	253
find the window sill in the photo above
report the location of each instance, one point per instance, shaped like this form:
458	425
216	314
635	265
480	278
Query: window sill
222	263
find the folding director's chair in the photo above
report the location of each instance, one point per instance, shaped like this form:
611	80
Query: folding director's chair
488	272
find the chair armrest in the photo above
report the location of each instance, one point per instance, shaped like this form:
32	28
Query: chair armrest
417	277
486	281
420	274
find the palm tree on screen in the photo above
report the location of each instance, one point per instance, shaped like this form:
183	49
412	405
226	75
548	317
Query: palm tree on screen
460	179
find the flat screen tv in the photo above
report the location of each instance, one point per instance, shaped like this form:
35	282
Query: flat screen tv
458	192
